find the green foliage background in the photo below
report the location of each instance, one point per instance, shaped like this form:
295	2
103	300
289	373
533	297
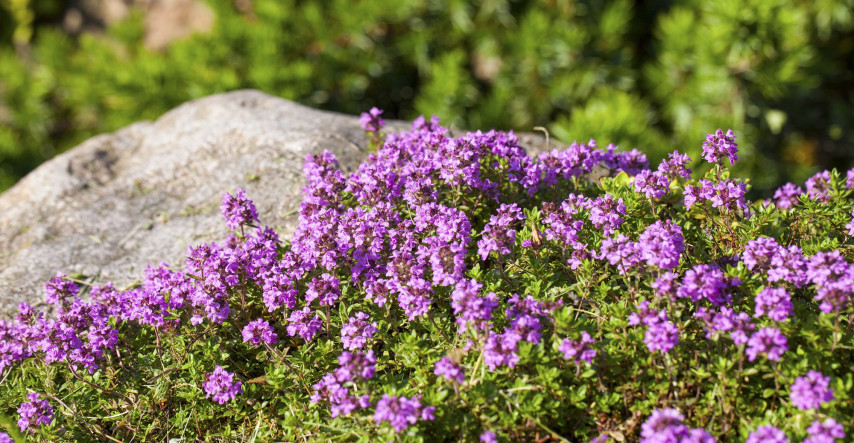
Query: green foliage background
651	75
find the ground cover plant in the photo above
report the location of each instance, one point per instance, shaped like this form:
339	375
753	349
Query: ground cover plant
458	289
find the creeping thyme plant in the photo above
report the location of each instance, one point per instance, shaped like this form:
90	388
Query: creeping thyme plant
459	289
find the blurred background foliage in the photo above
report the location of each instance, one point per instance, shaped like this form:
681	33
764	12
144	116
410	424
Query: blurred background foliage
655	75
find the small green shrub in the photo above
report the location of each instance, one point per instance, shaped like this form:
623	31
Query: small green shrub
651	75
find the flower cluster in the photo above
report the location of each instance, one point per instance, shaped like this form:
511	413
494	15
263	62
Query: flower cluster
655	184
665	425
767	434
305	323
775	303
786	196
356	333
768	341
707	282
720	144
59	289
725	195
811	391
498	235
324	289
661	334
525	316
725	319
660	246
470	308
468	247
34	413
259	331
238	210
334	387
578	350
371	121
824	432
450	370
221	386
818	186
402	412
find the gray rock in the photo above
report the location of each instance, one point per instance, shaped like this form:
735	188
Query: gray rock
119	202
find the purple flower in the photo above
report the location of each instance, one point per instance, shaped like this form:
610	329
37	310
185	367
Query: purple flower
726	320
221	386
850	225
621	252
811	391
402	412
727	194
500	349
824	432
470	308
661	334
767	434
758	253
331	390
356	333
561	224
450	370
415	297
661	245
605	213
34	413
353	366
786	196
788	265
699	194
776	303
652	184
665	426
238	210
302	323
578	350
849	179
665	285
818	186
257	331
447	260
707	282
768	341
334	386
371	121
279	291
208	294
525	315
326	288
730	195
4	438
631	162
488	437
676	166
826	267
498	235
719	145
59	289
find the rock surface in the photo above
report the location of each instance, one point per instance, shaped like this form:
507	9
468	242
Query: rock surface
119	202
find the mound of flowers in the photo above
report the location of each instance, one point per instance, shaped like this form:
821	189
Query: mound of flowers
459	289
